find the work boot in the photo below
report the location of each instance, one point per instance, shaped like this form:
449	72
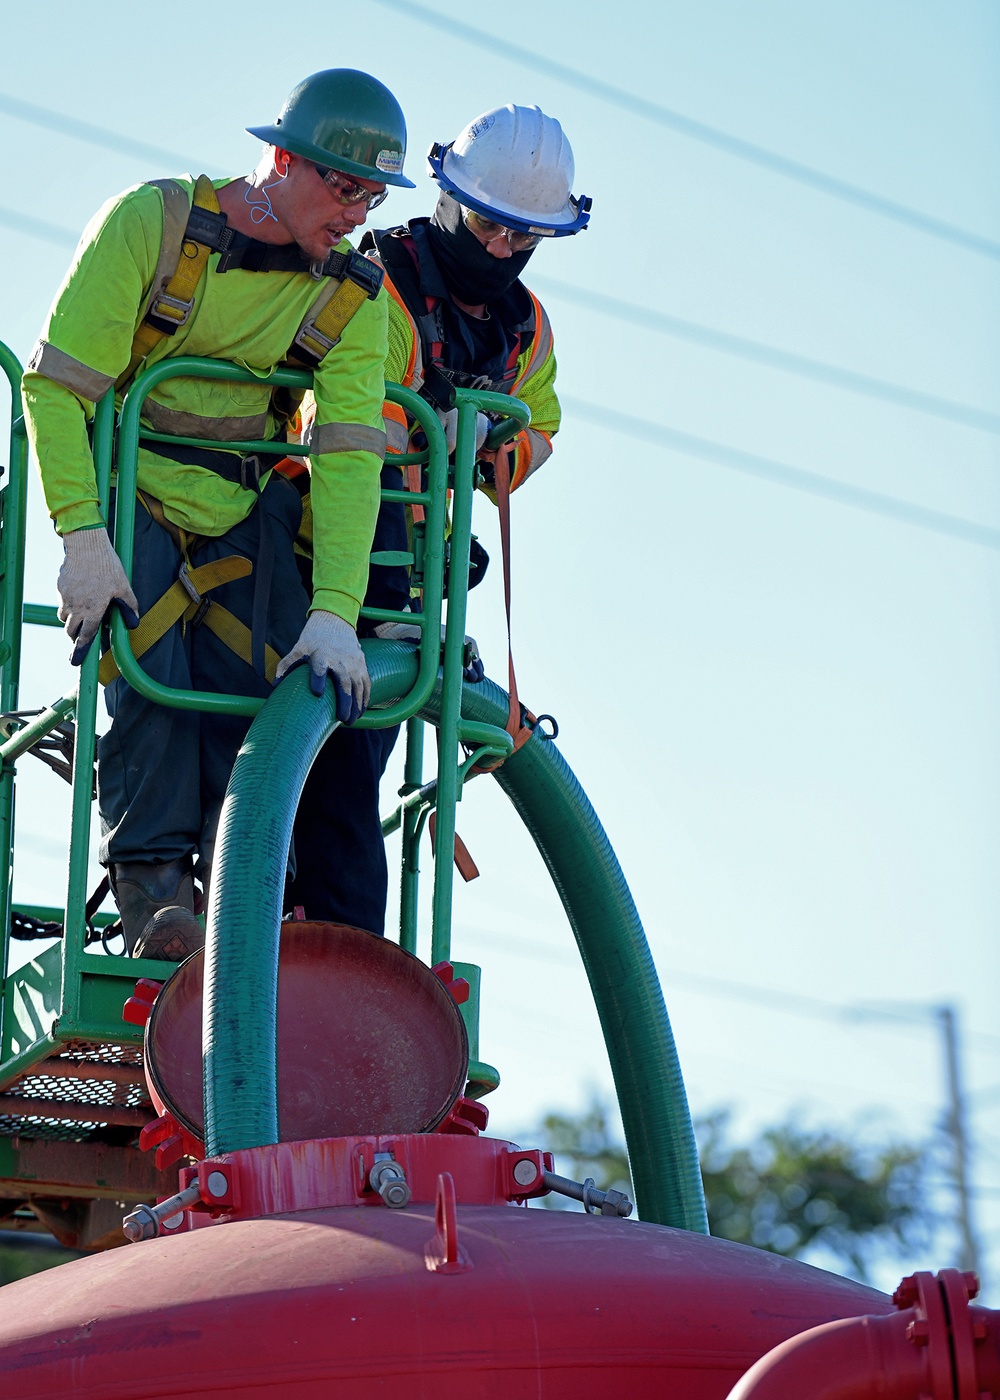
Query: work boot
156	903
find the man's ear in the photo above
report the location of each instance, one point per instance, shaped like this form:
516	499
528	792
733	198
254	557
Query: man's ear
282	160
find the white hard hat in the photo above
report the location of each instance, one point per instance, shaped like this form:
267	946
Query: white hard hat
515	166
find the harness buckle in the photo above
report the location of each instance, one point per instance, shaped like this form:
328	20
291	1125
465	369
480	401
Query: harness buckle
250	473
199	616
184	576
314	343
364	273
169	313
206	226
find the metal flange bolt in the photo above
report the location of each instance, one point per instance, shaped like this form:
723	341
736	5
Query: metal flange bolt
389	1180
145	1222
594	1200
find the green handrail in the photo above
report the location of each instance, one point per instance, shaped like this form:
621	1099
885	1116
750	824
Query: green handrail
14	498
81	802
516	415
132	433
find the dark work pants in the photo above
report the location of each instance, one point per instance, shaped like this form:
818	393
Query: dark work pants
341	874
162	773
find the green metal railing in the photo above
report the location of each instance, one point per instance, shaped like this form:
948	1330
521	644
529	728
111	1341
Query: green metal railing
13	510
433	499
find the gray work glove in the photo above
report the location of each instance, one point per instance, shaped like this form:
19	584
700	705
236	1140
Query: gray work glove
449	421
472	669
330	644
90	580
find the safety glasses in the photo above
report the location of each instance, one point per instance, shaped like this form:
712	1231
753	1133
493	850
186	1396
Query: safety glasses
486	229
348	191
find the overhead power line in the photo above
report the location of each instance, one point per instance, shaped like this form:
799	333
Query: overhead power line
661	322
905	1017
84	131
969	532
891	507
770	355
664	324
37	228
916	1016
699	131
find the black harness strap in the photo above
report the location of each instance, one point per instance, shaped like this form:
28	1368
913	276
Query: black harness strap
241	471
263	575
406	254
240	250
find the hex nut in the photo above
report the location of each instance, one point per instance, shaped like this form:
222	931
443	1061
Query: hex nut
395	1194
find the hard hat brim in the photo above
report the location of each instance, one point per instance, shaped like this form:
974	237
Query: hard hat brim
574	218
276	136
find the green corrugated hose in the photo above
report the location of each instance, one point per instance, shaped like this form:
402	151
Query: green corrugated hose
242	950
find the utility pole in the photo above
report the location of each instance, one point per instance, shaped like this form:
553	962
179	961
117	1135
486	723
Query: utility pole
954	1123
955	1127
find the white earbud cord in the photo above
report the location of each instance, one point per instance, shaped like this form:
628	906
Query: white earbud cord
260	212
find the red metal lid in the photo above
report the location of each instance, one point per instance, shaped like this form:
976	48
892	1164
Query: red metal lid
369	1040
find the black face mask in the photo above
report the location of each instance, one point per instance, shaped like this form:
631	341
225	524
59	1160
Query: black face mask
470	272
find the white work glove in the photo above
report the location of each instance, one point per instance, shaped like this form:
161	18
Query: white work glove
90	580
449	421
473	669
331	645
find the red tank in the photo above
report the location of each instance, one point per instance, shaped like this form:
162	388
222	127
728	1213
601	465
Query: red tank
330	1292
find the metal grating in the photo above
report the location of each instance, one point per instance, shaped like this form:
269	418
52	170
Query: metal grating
84	1087
51	1129
99	1092
90	1053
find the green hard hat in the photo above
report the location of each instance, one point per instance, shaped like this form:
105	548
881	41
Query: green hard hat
345	119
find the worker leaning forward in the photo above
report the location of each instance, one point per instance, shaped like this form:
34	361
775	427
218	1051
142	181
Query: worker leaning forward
459	317
255	270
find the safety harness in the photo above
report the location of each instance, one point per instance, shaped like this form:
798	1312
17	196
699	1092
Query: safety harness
406	255
185	601
184	255
409	262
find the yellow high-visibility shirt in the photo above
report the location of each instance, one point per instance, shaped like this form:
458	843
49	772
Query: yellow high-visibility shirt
250	318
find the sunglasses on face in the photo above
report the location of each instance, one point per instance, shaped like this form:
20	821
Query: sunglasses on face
348	191
487	229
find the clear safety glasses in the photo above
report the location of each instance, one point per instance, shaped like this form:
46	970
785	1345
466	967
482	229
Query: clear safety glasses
486	230
348	191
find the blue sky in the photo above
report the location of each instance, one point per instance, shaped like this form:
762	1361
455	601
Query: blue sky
783	706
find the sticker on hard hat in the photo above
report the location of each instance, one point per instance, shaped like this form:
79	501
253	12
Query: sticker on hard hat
481	126
390	161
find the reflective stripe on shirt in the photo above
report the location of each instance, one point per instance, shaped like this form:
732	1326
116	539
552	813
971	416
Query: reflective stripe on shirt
73	374
345	437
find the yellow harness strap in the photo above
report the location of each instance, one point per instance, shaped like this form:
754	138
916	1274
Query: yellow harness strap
319	335
238	638
182	600
175	301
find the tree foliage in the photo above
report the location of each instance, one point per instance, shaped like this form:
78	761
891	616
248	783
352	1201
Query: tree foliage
795	1189
792	1190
